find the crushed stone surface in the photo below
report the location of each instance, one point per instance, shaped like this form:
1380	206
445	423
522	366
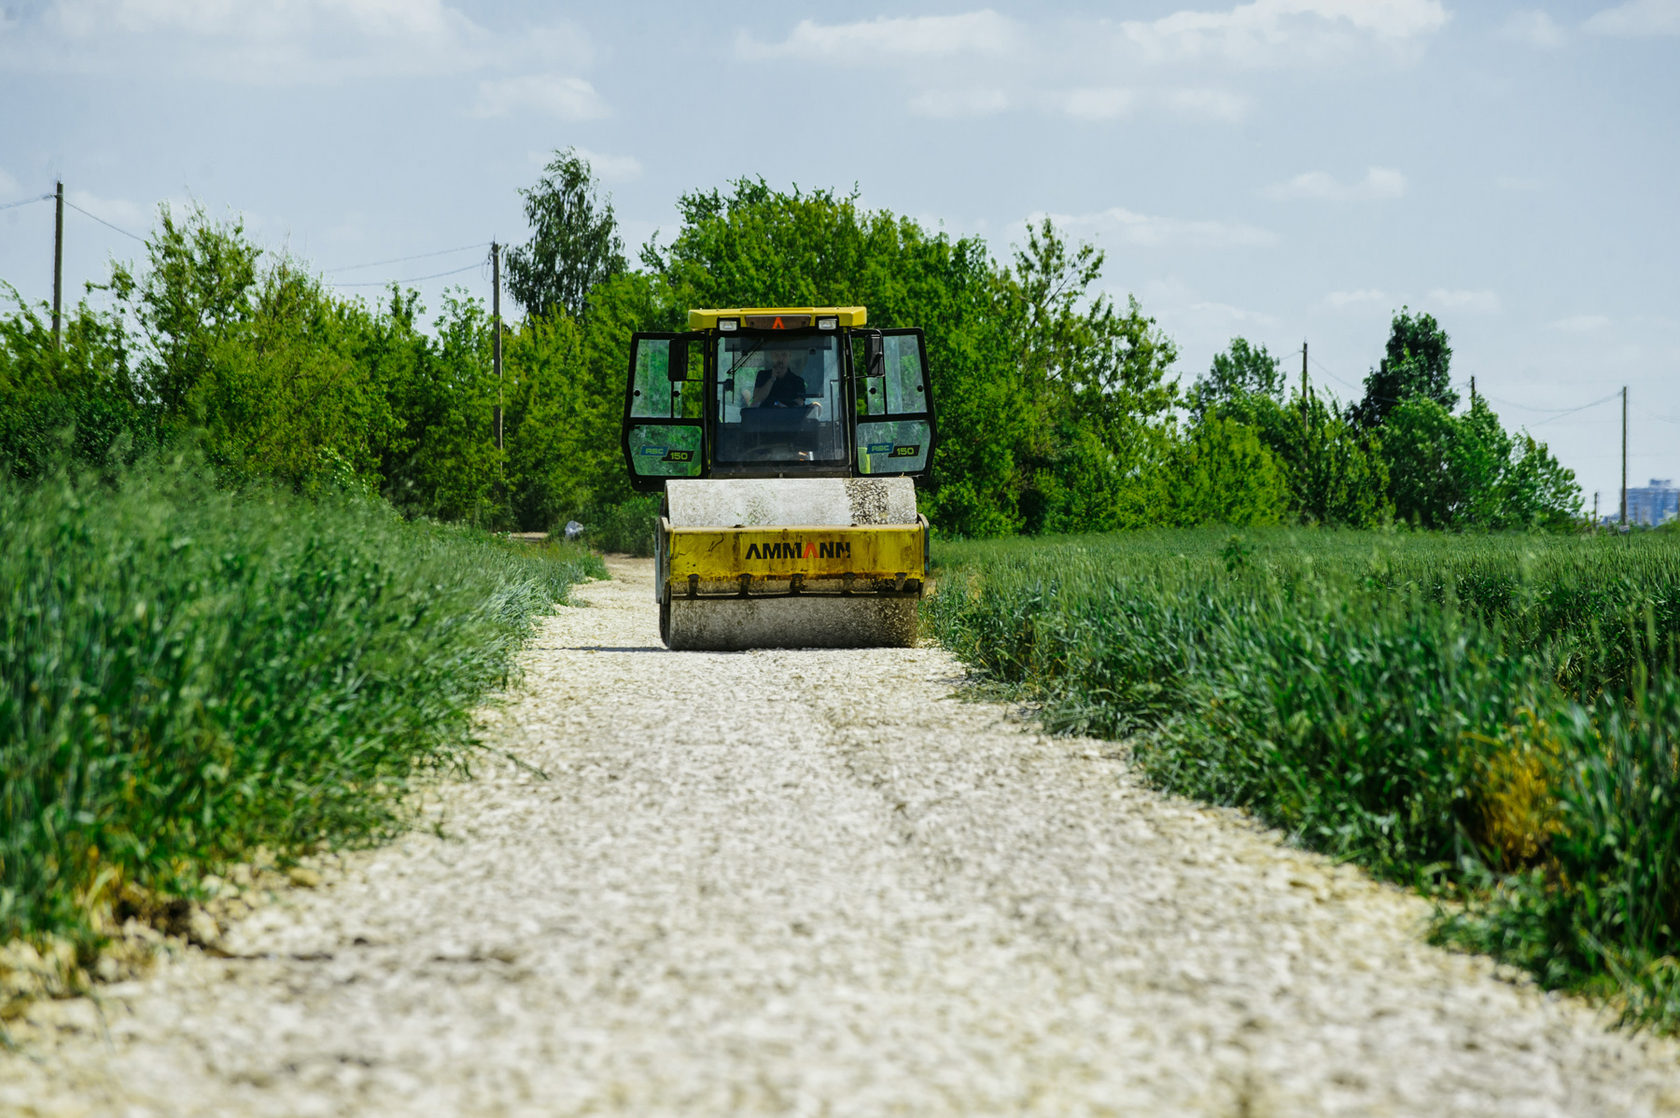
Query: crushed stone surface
811	883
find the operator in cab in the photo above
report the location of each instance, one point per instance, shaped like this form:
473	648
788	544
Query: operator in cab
779	386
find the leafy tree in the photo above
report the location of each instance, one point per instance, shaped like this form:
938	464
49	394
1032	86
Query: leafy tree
1479	462
1095	388
574	241
1420	445
1050	396
189	302
1459	472
1055	406
444	462
755	246
286	394
1335	476
565	399
550	458
1544	493
1415	363
1225	474
78	399
1242	370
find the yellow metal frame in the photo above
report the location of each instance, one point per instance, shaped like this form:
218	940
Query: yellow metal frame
818	551
848	316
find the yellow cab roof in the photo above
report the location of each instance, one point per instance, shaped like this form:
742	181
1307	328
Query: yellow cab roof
707	319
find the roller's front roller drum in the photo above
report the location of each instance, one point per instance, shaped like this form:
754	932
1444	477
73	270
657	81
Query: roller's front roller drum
734	624
790	563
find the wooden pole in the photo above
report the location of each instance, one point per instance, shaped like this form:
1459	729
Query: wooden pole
58	265
1303	386
496	316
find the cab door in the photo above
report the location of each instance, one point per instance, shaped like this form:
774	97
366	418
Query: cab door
894	427
664	434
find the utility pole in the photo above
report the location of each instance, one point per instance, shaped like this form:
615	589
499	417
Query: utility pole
1303	386
1472	393
58	264
496	317
1624	456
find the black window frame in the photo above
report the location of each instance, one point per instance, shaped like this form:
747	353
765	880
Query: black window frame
927	413
653	483
853	386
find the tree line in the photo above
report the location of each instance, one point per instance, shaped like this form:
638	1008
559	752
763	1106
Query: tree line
1059	406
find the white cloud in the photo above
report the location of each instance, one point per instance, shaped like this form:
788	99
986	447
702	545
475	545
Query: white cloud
279	42
1637	18
886	39
1279	32
1225	312
1378	183
1211	104
1581	323
1102	103
118	211
1200	326
951	104
1471	302
1099	103
1341	300
1536	28
980	63
407	20
1154	231
556	95
1438	298
606	166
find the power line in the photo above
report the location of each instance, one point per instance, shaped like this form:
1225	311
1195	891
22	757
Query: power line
1557	412
102	221
411	279
1553	413
345	268
1333	376
404	259
1572	411
26	201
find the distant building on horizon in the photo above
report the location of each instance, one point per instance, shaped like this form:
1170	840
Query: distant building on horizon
1656	503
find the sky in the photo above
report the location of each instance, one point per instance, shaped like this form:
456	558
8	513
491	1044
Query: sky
1282	170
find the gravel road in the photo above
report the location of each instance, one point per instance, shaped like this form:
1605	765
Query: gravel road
820	883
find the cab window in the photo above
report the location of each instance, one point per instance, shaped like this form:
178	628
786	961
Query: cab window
779	399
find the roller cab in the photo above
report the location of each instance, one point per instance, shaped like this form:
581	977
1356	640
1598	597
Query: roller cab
787	443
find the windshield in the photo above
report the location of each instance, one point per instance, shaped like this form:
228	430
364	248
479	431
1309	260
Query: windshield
779	399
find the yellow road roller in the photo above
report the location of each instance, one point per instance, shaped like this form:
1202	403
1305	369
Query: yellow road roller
787	442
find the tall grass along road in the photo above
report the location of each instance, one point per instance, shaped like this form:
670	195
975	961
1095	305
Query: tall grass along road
1494	718
819	882
189	676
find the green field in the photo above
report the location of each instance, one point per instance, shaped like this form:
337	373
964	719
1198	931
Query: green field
1492	718
189	674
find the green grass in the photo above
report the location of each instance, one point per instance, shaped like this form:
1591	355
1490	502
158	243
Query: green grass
188	674
1493	717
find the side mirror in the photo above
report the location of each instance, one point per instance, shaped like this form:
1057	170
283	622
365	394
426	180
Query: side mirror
677	371
875	356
